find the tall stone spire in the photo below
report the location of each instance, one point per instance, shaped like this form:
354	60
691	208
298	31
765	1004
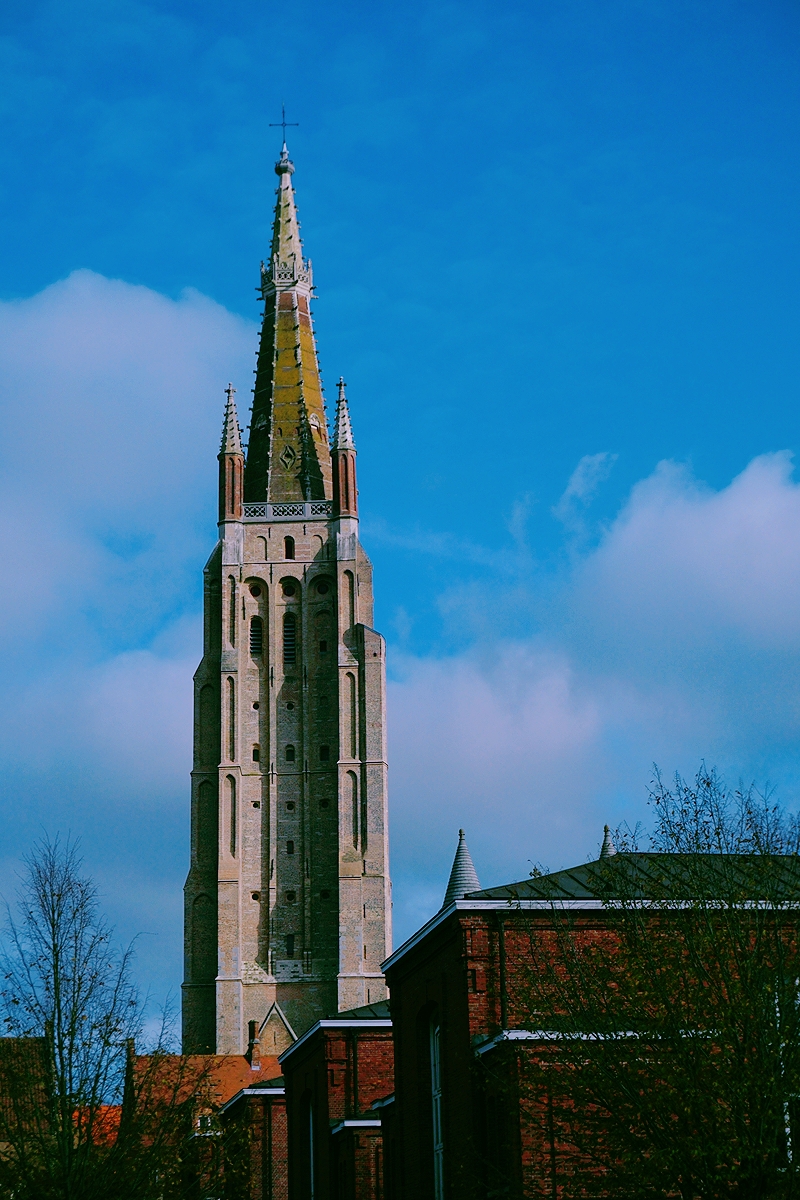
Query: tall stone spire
287	899
288	458
343	460
231	462
463	876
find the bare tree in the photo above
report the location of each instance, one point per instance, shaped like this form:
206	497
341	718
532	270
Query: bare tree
80	1116
671	1061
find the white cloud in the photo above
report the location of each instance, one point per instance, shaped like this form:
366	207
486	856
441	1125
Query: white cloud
111	398
677	638
591	471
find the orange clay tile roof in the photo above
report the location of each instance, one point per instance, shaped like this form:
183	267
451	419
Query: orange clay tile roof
23	1074
226	1074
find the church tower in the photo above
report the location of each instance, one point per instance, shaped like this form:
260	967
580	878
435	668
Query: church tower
287	901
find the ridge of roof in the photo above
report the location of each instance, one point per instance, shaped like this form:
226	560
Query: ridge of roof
652	875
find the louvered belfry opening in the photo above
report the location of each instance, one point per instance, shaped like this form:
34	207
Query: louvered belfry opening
289	639
256	637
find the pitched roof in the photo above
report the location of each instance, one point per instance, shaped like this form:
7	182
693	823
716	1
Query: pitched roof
379	1012
652	876
225	1074
24	1070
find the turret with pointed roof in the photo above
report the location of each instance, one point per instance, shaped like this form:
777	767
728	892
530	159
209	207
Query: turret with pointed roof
231	462
463	876
343	458
288	458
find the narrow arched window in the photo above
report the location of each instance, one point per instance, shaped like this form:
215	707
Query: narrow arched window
256	753
290	945
256	636
290	753
289	639
231	610
353	787
230	783
288	547
231	719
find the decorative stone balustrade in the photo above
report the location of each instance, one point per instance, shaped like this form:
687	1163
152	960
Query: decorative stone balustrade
291	511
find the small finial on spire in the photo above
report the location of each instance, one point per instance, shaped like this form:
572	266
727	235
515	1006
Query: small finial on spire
284	165
608	848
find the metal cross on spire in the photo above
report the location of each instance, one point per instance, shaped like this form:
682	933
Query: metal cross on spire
283	123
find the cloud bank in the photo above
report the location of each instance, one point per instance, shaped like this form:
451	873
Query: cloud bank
672	634
111	401
676	638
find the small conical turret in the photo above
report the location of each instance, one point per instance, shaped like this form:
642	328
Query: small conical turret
343	458
231	434
608	848
231	462
343	430
463	876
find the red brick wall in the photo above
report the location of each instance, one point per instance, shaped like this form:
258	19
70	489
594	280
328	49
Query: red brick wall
339	1073
501	1131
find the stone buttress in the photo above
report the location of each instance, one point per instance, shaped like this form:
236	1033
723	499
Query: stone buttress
287	901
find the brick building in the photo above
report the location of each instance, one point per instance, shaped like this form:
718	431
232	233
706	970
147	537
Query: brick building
336	1074
483	1103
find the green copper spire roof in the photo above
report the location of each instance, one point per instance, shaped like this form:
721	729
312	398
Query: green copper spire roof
288	457
463	876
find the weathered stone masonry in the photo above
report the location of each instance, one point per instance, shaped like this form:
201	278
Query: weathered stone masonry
287	905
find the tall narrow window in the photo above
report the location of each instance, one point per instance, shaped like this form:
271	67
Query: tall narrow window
290	847
349	600
290	945
324	753
288	547
256	636
436	1111
230	783
289	639
231	719
350	700
231	610
353	782
290	753
257	752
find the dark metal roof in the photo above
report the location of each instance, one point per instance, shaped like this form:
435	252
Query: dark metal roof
376	1012
648	876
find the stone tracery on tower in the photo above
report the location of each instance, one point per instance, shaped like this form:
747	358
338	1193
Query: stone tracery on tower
287	908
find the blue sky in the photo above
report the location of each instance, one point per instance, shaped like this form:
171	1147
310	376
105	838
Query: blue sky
556	248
